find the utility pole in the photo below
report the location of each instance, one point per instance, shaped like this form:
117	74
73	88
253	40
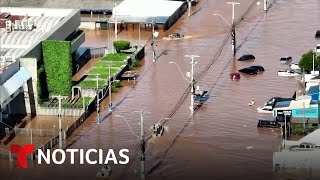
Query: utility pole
313	62
143	148
192	82
233	29
153	50
143	145
189	8
59	116
233	39
110	89
116	18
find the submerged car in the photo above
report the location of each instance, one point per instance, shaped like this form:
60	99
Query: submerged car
294	66
249	70
246	57
318	48
268	124
259	68
285	59
235	75
265	109
317	34
176	35
287	73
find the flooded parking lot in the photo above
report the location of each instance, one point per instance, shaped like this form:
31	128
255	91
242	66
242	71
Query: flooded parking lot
222	140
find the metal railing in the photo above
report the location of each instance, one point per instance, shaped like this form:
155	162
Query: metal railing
35	132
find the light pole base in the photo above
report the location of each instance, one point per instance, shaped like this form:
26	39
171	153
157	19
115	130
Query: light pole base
110	107
98	120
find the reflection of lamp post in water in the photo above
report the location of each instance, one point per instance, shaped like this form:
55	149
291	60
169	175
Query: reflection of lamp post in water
189	74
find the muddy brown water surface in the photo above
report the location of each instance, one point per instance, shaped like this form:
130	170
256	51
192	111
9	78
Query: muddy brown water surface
222	140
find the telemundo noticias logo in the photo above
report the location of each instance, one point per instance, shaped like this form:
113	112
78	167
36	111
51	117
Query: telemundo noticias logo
50	156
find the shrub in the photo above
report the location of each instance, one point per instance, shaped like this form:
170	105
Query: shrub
299	130
58	66
121	45
306	61
115	85
79	103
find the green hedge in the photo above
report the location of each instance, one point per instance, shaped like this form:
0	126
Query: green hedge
299	130
58	66
115	57
121	45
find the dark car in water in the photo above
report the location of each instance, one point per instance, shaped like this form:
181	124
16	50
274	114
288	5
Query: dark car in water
249	70
268	124
317	34
246	57
259	68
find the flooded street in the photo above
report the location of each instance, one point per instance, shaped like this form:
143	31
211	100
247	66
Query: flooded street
222	140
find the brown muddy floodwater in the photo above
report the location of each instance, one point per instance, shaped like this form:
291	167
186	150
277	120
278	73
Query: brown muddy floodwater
222	140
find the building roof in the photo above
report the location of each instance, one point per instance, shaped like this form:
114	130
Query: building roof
144	11
313	90
15	42
13	84
304	102
282	104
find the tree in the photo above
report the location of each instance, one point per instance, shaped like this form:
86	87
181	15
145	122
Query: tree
306	62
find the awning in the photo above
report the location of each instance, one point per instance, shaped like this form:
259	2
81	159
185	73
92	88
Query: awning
132	19
313	90
282	104
299	104
13	84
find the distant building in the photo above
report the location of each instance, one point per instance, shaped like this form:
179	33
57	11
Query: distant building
21	33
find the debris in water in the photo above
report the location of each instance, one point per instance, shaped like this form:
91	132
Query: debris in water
249	147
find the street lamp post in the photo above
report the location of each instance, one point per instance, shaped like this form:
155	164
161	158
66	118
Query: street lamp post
116	19
110	89
189	7
190	74
59	116
285	113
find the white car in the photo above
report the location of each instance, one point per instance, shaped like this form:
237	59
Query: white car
294	66
287	73
318	48
265	109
